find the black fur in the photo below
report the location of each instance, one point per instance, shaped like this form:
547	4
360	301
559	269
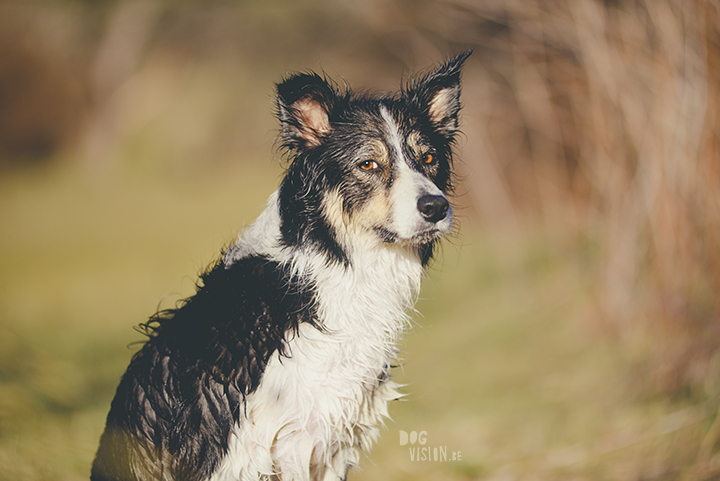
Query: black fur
184	390
321	160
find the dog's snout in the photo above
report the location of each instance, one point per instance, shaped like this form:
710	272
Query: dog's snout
433	208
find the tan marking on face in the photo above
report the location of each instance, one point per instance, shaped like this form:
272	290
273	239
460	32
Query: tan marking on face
333	208
374	213
376	151
416	145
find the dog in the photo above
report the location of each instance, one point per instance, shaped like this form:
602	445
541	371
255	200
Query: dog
277	368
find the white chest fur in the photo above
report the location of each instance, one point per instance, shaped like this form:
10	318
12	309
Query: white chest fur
316	408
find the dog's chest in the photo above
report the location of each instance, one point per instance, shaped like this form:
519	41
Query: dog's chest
326	398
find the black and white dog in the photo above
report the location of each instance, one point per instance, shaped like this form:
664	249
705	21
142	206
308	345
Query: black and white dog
277	368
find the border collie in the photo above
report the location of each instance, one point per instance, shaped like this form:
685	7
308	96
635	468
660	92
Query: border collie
277	368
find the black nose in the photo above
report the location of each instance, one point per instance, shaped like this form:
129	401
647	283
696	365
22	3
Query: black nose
433	208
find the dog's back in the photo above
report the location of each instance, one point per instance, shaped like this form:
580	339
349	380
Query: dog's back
277	368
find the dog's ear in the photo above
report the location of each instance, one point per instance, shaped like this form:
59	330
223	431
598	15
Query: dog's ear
438	94
304	104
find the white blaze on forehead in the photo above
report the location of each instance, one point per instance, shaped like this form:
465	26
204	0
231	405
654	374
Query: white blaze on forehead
408	185
394	137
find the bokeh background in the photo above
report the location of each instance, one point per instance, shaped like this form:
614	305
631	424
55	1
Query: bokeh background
570	331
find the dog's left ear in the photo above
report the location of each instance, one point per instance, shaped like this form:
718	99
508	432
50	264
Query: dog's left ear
438	94
304	104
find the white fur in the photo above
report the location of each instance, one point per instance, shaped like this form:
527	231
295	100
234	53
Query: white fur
322	404
407	221
409	186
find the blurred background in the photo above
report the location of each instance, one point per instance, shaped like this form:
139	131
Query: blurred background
570	331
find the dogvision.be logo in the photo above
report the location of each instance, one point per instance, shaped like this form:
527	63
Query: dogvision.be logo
420	452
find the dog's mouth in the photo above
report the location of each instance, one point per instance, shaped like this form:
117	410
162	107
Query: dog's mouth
422	237
426	236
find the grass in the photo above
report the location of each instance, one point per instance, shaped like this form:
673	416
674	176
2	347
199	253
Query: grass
501	367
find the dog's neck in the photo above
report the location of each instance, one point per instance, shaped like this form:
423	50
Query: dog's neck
378	285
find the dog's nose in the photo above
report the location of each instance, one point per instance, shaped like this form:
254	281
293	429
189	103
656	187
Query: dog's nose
433	208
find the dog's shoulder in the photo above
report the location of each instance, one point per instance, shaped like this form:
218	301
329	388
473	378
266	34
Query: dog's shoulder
184	389
240	314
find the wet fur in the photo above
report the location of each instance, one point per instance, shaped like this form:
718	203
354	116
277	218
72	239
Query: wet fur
277	368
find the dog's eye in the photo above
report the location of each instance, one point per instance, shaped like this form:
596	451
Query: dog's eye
427	159
368	165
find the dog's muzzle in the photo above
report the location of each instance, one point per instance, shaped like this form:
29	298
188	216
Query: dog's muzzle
433	208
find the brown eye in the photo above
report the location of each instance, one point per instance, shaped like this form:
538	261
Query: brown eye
368	165
428	158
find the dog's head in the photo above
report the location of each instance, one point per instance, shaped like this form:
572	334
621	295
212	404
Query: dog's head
368	168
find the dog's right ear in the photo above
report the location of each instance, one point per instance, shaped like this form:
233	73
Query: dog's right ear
304	104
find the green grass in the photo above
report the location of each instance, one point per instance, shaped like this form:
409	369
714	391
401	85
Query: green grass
502	366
